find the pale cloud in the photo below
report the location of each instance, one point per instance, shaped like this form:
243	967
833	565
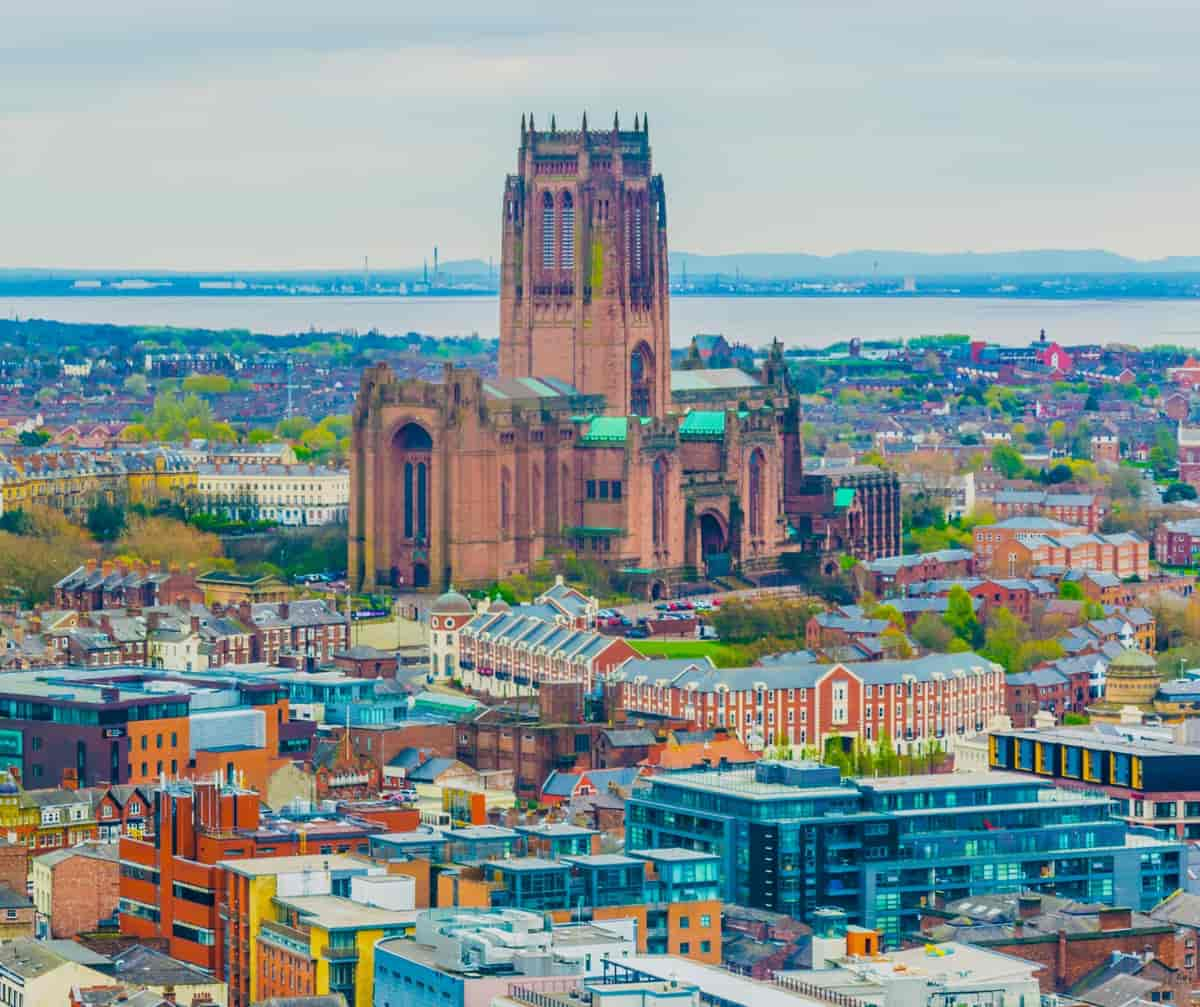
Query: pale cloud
265	133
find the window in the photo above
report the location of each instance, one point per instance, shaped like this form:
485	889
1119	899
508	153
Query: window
547	231
705	947
603	489
706	921
566	254
591	489
685	948
616	489
685	922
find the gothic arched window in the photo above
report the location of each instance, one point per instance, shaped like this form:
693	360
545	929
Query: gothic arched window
505	499
564	492
566	252
639	211
659	501
757	464
535	509
548	231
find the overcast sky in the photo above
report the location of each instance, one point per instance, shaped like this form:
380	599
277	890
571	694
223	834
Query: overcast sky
291	133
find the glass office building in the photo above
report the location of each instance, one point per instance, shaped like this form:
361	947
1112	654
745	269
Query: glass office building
794	837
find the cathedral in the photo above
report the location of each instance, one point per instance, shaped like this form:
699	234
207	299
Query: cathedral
588	441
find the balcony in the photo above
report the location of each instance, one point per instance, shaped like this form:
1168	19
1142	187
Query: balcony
342	954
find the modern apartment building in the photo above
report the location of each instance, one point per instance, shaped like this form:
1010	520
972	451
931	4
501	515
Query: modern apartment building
792	837
1154	781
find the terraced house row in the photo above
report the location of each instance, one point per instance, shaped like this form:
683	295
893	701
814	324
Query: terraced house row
937	697
505	650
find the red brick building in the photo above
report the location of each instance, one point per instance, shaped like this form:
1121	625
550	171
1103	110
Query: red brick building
1016	594
1177	543
1048	689
1068	939
1019	545
110	584
937	697
76	889
171	886
1081	510
893	574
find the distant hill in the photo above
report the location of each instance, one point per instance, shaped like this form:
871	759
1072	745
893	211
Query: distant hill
899	263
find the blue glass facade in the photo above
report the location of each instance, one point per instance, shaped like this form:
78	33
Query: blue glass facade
791	841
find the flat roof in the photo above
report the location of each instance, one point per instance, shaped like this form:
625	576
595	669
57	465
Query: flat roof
673	854
603	860
1107	742
261	867
336	913
741	783
527	864
950	781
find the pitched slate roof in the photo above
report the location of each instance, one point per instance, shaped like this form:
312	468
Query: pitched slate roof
702	674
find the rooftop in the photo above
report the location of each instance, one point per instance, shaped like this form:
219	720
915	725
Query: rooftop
261	867
332	912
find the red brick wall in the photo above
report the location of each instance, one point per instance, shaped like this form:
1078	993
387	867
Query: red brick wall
1064	962
14	867
84	891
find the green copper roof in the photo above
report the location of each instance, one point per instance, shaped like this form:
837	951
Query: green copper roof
606	430
843	497
701	424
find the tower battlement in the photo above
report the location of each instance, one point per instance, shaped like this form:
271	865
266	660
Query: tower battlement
584	278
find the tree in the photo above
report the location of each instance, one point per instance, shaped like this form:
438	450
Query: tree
1007	461
1092	610
960	616
137	386
889	613
895	644
39	546
1179	491
1058	432
1060	473
208	384
291	428
1033	652
33	438
1003	639
931	633
782	748
1092	403
261	435
136	433
163	540
887	759
105	520
1070	590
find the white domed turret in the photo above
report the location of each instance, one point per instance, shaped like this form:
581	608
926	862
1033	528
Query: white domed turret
449	613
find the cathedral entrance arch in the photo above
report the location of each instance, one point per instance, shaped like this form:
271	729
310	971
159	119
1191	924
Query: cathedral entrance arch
412	465
714	544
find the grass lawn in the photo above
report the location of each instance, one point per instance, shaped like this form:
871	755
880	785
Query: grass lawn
724	655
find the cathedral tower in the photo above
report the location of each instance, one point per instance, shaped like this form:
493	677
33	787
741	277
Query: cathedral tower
584	283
